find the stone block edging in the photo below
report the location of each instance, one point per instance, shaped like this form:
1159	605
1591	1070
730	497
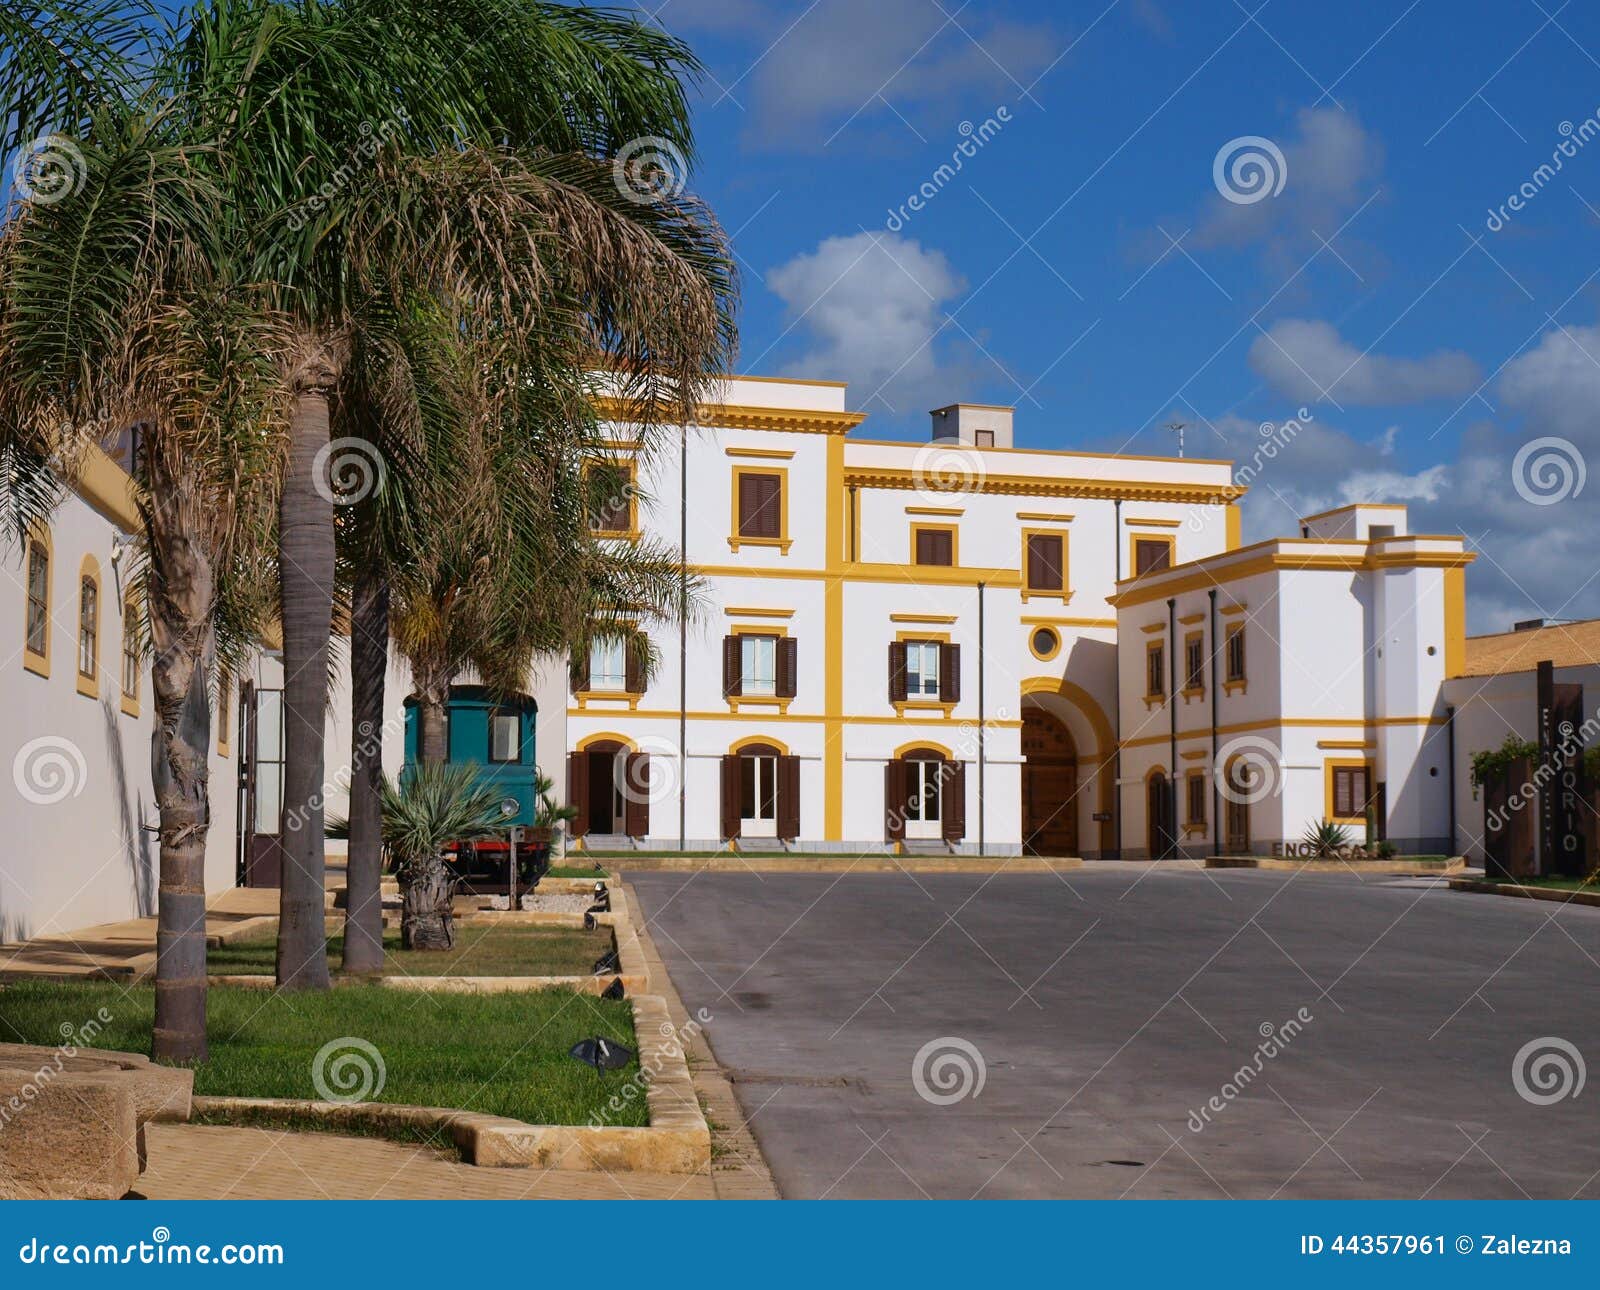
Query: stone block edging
1452	865
1525	893
632	983
676	1141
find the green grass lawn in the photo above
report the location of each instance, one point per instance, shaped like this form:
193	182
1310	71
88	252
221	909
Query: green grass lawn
478	951
504	1054
575	871
1554	884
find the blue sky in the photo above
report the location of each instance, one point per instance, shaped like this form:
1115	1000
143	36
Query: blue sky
1084	265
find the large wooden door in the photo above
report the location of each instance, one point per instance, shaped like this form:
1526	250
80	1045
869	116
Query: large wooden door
1049	786
1160	810
1236	809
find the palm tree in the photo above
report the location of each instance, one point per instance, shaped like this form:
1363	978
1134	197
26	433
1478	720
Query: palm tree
119	308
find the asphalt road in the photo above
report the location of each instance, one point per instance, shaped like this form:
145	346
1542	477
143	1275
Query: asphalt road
1108	1007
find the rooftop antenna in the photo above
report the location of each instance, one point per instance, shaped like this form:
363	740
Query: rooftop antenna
1177	428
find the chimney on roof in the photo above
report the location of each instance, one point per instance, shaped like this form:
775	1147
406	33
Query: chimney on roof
978	425
1528	625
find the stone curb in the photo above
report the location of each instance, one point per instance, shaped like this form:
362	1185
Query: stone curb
1452	865
1525	893
842	864
677	1140
738	1171
632	983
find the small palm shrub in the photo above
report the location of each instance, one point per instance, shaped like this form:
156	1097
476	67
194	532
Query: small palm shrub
429	807
1326	839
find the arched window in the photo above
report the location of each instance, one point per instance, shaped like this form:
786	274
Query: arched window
130	656
89	629
36	631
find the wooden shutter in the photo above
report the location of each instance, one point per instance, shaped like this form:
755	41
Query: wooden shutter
935	546
578	791
1150	554
1044	562
953	800
633	665
949	673
1350	790
730	796
788	667
895	797
897	671
732	665
788	798
760	506
636	811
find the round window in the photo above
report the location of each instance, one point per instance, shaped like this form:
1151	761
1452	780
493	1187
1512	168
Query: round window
1045	642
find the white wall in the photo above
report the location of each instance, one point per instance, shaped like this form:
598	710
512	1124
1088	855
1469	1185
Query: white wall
76	803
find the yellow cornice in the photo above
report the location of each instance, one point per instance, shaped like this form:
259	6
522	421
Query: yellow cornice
1143	590
732	416
1037	486
107	487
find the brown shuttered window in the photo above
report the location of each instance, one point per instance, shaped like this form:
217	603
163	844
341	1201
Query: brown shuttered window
897	672
1236	654
788	667
1151	554
732	663
1046	562
936	546
1155	672
788	798
949	673
954	802
1196	784
1350	791
1194	664
760	506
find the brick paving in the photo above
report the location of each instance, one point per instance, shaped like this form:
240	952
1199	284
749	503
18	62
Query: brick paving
214	1162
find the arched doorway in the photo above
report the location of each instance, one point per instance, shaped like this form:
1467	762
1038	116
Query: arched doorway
1049	786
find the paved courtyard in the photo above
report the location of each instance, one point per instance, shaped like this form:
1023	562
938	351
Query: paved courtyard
1108	1006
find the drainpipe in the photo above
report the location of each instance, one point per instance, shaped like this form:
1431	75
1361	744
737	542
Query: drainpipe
1116	691
1450	769
1216	793
982	671
683	641
1172	726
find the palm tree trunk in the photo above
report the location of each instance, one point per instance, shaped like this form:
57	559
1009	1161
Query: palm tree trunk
433	701
180	596
369	660
305	559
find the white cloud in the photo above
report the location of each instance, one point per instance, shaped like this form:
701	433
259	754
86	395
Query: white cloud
812	70
1308	360
1556	385
1332	167
873	304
